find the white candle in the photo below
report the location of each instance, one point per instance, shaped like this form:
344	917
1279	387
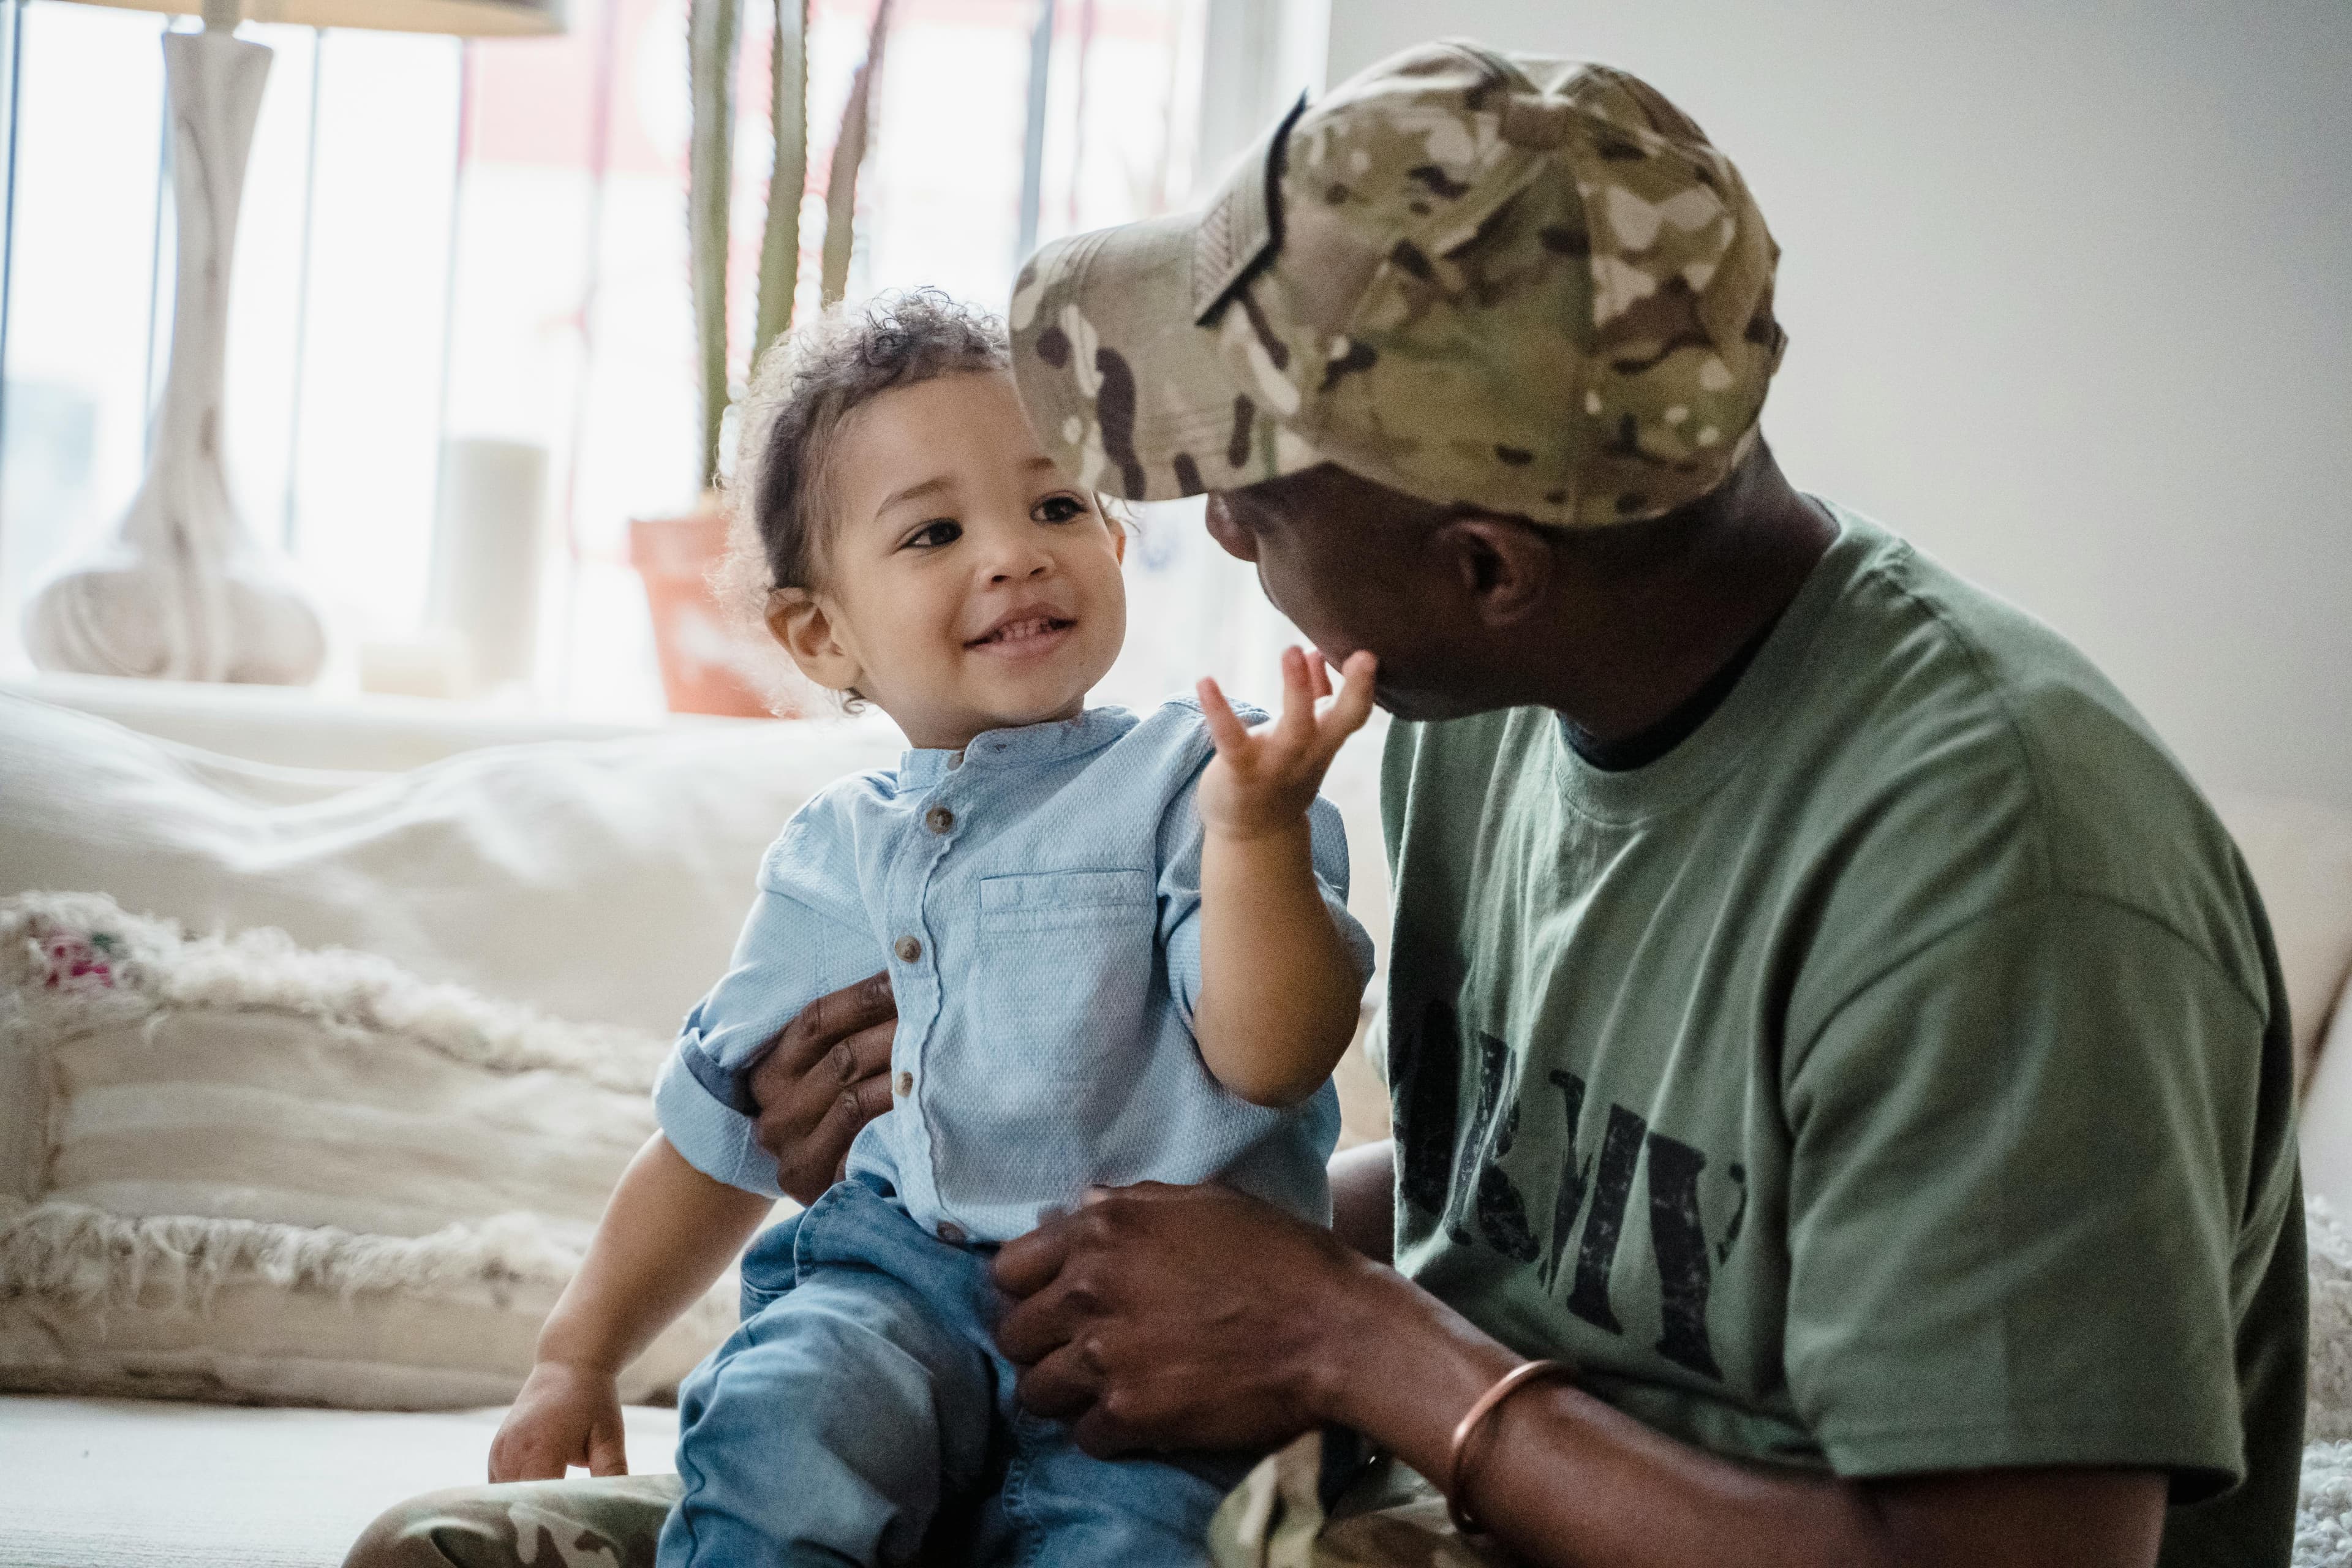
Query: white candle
487	551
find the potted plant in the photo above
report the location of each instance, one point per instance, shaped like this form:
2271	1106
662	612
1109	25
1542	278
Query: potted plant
711	662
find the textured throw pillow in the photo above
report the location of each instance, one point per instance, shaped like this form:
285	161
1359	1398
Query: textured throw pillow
231	1168
2328	1412
2322	1537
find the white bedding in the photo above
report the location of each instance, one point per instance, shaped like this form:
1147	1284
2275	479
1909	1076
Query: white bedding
125	1483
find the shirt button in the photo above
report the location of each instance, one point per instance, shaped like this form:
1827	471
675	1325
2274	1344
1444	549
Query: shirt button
903	1084
907	949
939	819
950	1233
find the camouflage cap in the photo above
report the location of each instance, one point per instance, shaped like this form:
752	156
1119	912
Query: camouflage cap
1522	283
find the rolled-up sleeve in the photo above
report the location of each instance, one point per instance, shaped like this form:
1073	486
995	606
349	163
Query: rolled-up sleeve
801	940
1180	894
713	1135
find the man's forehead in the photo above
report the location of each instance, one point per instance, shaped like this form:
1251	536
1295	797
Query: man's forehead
1329	495
1323	486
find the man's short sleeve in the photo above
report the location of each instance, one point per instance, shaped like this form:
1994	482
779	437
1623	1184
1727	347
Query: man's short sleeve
2019	1165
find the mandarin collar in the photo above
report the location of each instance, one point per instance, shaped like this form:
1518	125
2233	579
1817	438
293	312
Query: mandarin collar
1021	746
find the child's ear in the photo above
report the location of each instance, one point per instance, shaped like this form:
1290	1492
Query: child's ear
806	628
1118	526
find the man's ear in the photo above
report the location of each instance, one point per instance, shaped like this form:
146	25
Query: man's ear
806	627
1504	566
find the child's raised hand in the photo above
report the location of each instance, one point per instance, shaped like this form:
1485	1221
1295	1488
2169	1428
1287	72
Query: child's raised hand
1263	780
564	1415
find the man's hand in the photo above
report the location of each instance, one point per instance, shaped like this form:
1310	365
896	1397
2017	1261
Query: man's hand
1263	780
565	1416
825	1075
1161	1317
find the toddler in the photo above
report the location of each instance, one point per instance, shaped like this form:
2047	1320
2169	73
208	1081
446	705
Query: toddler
1120	953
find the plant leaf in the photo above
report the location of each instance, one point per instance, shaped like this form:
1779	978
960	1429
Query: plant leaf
848	155
711	41
780	245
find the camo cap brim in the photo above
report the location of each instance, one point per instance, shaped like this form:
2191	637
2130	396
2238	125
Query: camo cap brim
1150	412
1522	283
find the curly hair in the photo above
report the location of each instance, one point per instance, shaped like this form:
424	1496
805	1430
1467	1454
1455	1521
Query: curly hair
803	390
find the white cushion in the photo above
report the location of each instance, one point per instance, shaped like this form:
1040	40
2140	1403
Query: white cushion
599	881
2301	855
243	1170
2325	1128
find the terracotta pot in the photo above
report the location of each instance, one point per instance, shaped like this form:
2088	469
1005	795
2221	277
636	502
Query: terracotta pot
710	662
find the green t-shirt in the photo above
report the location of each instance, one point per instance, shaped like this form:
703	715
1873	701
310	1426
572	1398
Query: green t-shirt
1893	1077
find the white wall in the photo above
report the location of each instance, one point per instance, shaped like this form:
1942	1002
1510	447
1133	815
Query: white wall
1257	57
2069	290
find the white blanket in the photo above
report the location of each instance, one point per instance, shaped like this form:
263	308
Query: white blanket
124	1483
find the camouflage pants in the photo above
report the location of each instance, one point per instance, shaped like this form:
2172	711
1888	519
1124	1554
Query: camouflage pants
1390	1519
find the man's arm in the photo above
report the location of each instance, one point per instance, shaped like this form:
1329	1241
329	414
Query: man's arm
1570	1480
1177	1317
1363	1198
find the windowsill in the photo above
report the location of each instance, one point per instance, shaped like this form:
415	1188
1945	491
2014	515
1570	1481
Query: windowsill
307	727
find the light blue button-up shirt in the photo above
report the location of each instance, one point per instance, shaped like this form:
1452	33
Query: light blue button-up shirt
1036	899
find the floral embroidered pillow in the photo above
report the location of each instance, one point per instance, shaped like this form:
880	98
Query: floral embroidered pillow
232	1168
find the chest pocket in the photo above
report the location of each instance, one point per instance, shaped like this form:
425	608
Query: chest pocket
1065	967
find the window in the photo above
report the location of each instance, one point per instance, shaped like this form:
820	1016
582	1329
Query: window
459	240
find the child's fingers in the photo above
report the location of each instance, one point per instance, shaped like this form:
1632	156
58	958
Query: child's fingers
1297	721
530	1459
1354	704
608	1453
1225	727
1318	670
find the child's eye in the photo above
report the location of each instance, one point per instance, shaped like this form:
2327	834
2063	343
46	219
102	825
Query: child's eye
934	534
1061	508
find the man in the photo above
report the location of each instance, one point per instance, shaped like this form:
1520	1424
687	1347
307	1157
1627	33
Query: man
1822	1019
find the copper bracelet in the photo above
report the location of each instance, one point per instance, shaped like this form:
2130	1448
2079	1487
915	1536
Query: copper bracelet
1458	1462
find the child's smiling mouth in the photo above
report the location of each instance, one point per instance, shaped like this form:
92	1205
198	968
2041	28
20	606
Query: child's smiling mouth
1024	632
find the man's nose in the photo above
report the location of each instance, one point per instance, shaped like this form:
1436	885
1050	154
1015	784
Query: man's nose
1231	536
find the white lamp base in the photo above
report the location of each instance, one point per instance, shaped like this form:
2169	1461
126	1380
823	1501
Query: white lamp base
180	589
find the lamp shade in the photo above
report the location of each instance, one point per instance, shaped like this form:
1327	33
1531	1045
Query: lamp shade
454	18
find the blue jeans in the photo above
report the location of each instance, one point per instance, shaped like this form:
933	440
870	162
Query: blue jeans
862	1408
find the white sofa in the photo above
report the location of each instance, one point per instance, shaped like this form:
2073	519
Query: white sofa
604	874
